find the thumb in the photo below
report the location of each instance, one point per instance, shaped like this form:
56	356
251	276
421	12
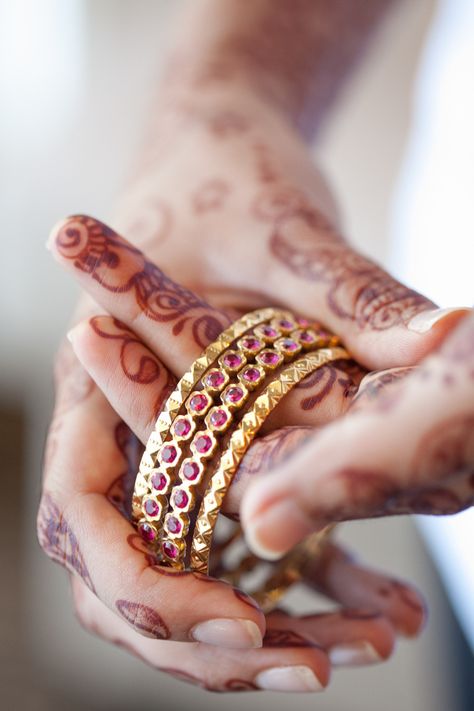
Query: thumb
314	271
412	453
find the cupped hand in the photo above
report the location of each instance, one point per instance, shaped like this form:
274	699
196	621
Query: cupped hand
154	329
409	449
229	204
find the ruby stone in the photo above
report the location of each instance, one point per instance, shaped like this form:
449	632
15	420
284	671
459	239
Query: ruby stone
182	427
215	379
190	470
173	524
151	507
147	532
168	454
170	549
269	357
158	481
218	418
232	360
180	498
203	444
234	394
198	402
251	374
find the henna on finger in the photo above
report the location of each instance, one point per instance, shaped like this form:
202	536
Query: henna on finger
59	541
143	618
95	249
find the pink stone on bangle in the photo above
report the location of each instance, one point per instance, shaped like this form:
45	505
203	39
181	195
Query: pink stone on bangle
288	346
232	360
215	379
269	359
169	453
267	332
234	396
218	418
159	481
203	444
252	376
147	531
250	344
181	499
170	550
191	471
199	403
183	427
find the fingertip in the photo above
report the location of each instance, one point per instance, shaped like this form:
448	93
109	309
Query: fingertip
442	320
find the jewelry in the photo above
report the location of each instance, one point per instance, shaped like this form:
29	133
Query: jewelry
214	413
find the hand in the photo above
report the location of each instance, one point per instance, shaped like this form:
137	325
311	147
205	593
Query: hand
90	467
408	450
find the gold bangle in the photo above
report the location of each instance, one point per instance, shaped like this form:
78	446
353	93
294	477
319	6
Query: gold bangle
250	367
240	441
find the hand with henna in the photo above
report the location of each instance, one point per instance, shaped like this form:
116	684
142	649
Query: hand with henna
226	213
112	380
408	448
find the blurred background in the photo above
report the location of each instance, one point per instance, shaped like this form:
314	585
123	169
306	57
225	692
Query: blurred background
75	81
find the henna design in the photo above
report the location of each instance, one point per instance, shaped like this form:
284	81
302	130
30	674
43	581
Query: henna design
120	491
445	449
143	618
138	364
375	390
324	380
357	289
272	449
97	250
210	196
58	541
136	542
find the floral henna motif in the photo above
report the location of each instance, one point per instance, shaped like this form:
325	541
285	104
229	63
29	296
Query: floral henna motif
272	449
143	618
356	289
97	250
323	380
137	366
445	450
58	540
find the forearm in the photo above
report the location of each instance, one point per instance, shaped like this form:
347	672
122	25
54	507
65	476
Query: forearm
294	54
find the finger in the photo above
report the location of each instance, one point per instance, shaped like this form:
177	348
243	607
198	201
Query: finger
351	637
313	270
95	542
136	383
367	463
286	662
174	322
340	577
88	462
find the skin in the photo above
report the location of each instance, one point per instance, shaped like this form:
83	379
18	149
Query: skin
225	212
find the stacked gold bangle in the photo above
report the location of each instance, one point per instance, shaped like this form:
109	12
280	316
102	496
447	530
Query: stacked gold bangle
207	425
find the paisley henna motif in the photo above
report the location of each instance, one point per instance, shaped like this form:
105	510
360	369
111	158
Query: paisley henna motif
143	618
58	540
97	250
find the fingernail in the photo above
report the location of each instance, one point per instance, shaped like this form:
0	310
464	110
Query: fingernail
233	633
70	335
298	678
425	320
273	533
353	654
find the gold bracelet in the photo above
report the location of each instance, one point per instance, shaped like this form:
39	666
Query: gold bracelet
218	407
